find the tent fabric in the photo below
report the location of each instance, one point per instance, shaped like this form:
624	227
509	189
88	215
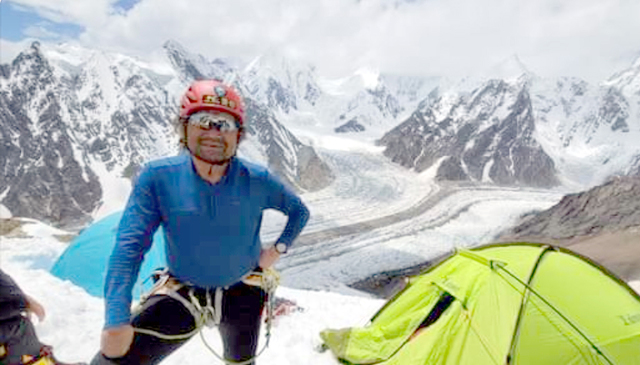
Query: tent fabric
84	262
516	303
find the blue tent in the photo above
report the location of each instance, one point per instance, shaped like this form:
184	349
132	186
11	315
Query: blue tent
84	262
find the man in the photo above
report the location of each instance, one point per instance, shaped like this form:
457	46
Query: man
19	343
209	203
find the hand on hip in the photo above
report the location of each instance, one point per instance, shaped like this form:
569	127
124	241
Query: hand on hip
116	341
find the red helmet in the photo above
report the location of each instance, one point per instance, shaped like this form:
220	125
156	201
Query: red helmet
212	95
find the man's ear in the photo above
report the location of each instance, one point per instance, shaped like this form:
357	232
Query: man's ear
240	134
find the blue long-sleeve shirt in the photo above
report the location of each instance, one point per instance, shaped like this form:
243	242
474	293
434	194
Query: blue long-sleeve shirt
212	231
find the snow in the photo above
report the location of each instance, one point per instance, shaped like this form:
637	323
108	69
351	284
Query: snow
370	77
114	197
4	211
74	319
367	188
415	219
315	278
570	130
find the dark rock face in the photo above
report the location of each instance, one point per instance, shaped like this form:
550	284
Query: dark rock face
60	129
280	97
484	136
188	69
450	170
350	126
611	207
295	162
4	71
614	111
385	101
41	176
312	93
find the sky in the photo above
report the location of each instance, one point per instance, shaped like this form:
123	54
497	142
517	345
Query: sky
590	39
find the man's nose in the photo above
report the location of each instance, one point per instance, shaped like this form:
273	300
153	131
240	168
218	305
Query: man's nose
213	131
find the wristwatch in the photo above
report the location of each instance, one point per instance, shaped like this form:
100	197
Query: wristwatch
281	248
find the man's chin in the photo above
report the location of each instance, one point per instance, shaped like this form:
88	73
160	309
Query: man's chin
214	161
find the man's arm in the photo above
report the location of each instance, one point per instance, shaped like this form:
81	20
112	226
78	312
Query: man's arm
12	299
139	222
282	198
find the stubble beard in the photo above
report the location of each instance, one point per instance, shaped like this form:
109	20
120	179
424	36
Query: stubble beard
217	159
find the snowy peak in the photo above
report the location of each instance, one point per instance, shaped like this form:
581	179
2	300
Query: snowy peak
410	89
380	100
627	81
281	85
589	131
297	163
192	67
43	175
509	69
485	135
33	63
370	78
76	125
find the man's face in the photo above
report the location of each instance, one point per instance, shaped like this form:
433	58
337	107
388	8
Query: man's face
212	136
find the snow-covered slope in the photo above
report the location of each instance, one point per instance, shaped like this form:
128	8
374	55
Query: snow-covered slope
589	131
483	135
77	123
72	131
511	126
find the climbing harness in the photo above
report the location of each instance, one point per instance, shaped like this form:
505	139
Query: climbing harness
210	314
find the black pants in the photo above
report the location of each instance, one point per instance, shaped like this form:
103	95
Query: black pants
18	338
239	326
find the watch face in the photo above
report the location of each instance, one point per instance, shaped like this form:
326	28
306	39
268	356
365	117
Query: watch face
281	248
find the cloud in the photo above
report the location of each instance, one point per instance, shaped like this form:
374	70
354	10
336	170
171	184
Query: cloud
41	31
591	39
9	50
92	13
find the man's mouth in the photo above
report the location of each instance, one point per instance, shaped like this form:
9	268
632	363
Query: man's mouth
211	143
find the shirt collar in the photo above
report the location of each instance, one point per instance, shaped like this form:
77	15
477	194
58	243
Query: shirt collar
232	170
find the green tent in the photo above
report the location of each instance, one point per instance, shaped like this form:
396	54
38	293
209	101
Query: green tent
502	304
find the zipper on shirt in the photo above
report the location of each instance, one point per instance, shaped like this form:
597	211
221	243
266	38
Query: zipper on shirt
212	208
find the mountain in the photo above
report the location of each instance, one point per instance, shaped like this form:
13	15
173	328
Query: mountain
296	162
77	123
588	130
364	102
62	130
269	141
379	101
628	83
281	85
612	206
601	223
524	130
485	135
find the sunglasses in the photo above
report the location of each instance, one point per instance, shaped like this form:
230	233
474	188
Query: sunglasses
208	121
